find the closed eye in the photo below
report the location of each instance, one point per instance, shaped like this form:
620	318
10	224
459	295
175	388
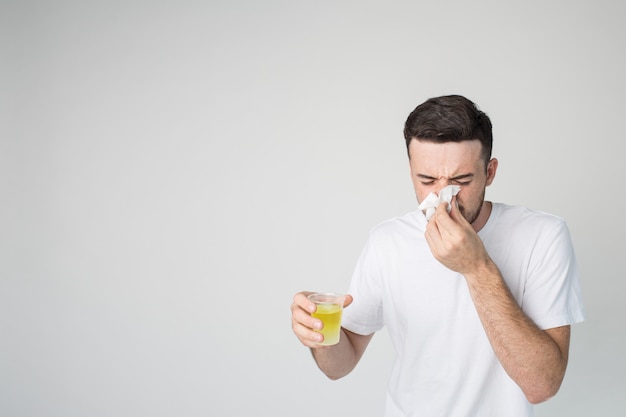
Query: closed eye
464	179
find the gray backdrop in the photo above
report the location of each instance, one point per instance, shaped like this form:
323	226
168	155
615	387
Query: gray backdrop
171	173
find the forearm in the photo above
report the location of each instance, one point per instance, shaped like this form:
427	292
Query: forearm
529	355
338	360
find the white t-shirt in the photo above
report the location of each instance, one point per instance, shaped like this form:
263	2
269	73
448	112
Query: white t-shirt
445	365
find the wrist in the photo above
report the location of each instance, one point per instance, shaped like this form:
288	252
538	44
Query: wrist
484	269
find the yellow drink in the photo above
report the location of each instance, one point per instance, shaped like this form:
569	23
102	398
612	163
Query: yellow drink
330	314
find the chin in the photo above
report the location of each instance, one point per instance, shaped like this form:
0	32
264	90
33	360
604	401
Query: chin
470	217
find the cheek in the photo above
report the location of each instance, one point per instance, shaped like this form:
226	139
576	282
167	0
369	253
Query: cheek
464	199
470	192
422	191
469	198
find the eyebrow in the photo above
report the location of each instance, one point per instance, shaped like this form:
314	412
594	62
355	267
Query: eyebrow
457	178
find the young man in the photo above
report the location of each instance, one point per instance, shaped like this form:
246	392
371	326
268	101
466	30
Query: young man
478	300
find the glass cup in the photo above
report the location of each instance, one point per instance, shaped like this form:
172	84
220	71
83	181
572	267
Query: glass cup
329	309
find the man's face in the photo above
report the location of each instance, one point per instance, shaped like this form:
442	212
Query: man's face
437	165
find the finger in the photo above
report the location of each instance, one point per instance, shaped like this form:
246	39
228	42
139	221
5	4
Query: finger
347	300
432	227
456	214
446	224
429	239
307	337
433	237
301	300
304	326
301	310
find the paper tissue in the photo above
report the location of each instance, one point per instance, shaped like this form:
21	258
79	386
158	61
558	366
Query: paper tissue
431	202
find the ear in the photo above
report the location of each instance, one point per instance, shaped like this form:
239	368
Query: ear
492	167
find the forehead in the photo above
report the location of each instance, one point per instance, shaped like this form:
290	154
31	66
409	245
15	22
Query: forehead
445	158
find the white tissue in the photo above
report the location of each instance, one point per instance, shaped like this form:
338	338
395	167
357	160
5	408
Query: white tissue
431	202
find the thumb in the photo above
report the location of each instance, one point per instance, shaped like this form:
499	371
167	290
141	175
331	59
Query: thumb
455	211
347	300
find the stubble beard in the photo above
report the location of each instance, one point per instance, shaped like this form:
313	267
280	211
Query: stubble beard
471	216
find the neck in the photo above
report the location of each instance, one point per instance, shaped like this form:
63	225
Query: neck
483	216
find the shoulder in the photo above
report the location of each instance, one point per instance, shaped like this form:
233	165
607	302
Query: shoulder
409	223
525	224
524	217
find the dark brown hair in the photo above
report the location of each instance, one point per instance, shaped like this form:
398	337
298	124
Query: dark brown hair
449	119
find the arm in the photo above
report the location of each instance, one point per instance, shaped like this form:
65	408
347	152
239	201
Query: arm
535	359
335	361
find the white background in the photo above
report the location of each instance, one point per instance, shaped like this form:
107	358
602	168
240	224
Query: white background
171	173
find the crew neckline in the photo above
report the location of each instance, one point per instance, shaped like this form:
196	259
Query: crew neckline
495	212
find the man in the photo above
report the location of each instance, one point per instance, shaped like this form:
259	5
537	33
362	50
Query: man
478	300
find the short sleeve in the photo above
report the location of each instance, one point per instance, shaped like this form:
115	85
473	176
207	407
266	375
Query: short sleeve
552	295
365	314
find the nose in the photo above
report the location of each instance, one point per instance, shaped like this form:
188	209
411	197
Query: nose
441	184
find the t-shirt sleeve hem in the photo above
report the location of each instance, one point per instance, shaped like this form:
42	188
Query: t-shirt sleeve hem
359	328
552	322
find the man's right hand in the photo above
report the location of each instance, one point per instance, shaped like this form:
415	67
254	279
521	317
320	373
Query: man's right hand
303	324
